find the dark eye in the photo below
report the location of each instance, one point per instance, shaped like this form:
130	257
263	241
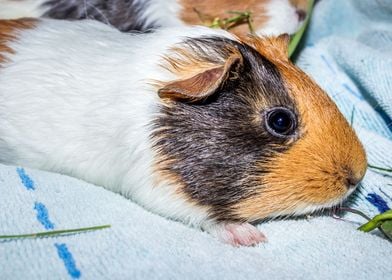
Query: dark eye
281	122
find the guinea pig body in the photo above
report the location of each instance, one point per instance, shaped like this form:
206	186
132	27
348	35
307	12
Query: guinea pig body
192	123
272	17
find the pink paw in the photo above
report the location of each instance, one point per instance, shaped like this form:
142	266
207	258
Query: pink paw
238	234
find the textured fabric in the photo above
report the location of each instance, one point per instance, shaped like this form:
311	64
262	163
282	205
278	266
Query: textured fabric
348	51
141	245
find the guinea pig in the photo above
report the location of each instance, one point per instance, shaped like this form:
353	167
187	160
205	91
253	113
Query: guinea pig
193	123
272	17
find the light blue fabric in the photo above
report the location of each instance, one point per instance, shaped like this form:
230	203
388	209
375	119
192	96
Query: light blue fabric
348	51
141	245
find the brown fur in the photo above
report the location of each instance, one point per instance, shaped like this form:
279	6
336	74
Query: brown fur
8	33
205	11
218	8
315	169
199	85
300	4
293	182
185	63
273	48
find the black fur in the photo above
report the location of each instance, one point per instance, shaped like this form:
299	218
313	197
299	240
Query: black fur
125	15
214	146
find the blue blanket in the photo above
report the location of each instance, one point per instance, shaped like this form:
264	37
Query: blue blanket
348	50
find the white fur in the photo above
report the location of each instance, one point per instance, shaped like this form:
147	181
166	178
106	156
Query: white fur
11	9
162	13
74	99
236	234
282	18
308	208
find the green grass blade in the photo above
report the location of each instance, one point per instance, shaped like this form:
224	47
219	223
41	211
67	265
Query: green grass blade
380	168
297	36
53	232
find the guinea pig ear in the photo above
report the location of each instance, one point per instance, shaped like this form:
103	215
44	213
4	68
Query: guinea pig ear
200	85
282	44
271	47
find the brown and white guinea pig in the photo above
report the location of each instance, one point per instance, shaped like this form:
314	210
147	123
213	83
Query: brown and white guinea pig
192	123
271	17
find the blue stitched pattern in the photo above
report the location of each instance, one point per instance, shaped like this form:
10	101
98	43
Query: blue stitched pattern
43	215
43	218
378	202
26	180
69	262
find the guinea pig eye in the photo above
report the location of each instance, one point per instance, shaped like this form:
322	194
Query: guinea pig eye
281	122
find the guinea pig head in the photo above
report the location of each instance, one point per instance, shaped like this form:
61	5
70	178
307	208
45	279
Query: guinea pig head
247	135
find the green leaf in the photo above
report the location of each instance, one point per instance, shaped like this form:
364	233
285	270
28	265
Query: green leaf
376	221
298	35
386	227
382	221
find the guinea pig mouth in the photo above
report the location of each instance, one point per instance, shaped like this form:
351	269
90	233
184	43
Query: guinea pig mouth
333	203
310	208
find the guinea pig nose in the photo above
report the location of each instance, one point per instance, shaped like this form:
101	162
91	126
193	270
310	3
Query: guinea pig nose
353	181
301	14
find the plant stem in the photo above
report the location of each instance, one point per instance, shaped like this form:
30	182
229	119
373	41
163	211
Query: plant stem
380	168
376	221
371	224
297	36
231	22
53	233
355	211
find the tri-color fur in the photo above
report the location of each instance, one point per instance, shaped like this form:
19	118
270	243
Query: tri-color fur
269	16
214	145
177	123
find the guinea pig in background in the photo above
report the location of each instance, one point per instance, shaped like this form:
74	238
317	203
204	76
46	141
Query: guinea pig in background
270	17
192	123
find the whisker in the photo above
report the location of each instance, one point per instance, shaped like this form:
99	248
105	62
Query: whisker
100	12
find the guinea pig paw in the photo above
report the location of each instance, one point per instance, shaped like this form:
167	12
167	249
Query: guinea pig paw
238	234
